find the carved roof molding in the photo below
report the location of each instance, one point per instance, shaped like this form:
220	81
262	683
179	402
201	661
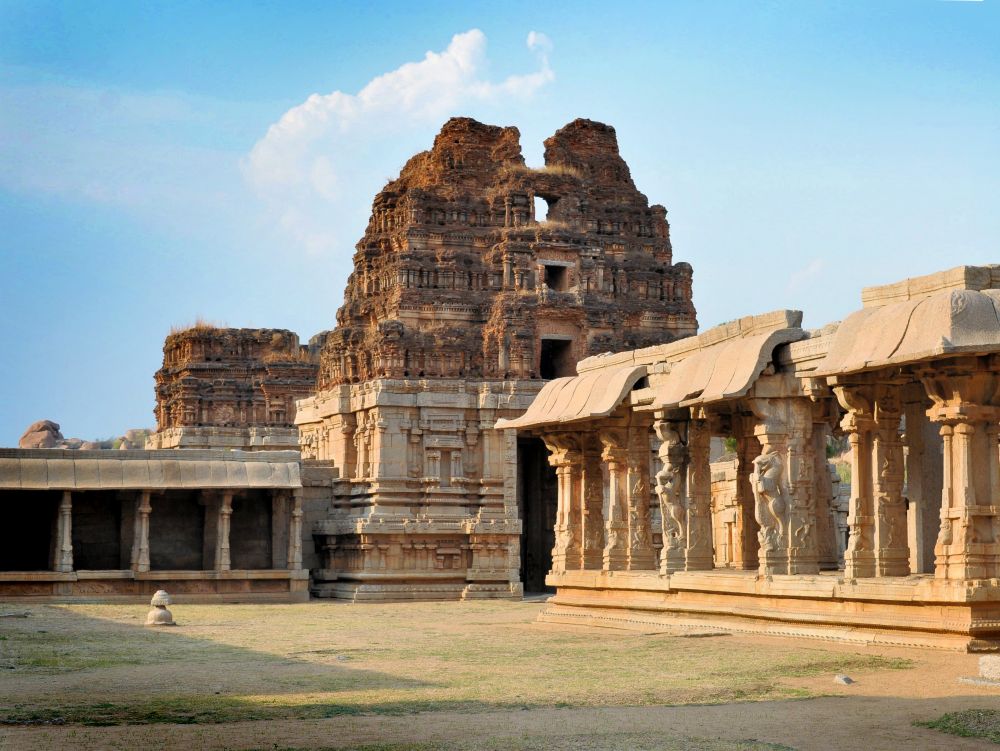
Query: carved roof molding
583	397
52	469
676	351
948	322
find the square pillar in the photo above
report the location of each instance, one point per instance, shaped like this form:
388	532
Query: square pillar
295	531
640	538
892	552
698	553
592	503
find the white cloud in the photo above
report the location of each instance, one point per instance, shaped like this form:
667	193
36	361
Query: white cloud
309	165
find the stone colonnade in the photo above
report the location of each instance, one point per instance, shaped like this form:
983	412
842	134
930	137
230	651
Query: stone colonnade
286	504
784	499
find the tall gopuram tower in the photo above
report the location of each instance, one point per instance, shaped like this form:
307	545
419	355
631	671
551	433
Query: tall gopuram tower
464	300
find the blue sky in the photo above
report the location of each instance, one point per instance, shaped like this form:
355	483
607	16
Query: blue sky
161	162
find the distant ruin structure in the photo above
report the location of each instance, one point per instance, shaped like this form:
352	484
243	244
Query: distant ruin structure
464	300
231	389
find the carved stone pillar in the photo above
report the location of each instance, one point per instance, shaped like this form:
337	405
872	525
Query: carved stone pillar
892	553
966	397
747	449
140	540
63	558
640	538
565	456
770	487
295	531
923	452
826	528
671	489
592	487
222	562
858	424
615	457
803	557
698	554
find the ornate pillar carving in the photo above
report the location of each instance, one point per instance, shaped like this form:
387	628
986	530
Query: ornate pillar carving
858	424
671	489
140	540
295	531
615	457
698	551
592	503
769	482
565	456
64	534
222	532
747	449
640	537
892	553
966	400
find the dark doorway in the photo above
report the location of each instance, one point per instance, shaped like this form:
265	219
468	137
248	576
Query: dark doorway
97	531
176	532
536	498
26	535
556	359
250	531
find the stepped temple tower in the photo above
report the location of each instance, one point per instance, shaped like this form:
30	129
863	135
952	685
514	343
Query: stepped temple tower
231	388
464	300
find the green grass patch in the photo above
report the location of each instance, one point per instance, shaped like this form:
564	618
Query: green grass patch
969	723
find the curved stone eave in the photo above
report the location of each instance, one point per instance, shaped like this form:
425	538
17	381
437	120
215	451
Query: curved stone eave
947	324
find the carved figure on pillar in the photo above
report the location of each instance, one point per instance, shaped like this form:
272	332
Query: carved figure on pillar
640	545
592	487
671	492
698	554
891	548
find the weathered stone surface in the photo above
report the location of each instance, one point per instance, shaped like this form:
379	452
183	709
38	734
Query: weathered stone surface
462	304
456	277
225	387
43	434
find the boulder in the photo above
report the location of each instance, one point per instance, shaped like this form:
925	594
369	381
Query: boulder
43	434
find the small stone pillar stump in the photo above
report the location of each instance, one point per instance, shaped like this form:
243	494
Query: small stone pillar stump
159	615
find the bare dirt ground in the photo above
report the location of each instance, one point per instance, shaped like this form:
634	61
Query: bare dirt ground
416	677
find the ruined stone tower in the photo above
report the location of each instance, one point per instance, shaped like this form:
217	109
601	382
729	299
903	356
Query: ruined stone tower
463	301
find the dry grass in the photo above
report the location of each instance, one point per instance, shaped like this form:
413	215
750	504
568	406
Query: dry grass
200	325
562	170
96	664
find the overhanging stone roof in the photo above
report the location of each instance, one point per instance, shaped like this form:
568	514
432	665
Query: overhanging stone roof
583	397
951	322
725	370
54	469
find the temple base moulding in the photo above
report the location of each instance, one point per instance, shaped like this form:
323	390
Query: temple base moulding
916	611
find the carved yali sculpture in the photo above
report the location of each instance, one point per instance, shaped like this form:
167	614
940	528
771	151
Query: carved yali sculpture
669	485
769	499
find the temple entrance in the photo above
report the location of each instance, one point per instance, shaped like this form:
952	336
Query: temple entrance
26	536
536	499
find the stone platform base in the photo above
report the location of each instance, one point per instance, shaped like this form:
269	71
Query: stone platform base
398	589
129	586
915	611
